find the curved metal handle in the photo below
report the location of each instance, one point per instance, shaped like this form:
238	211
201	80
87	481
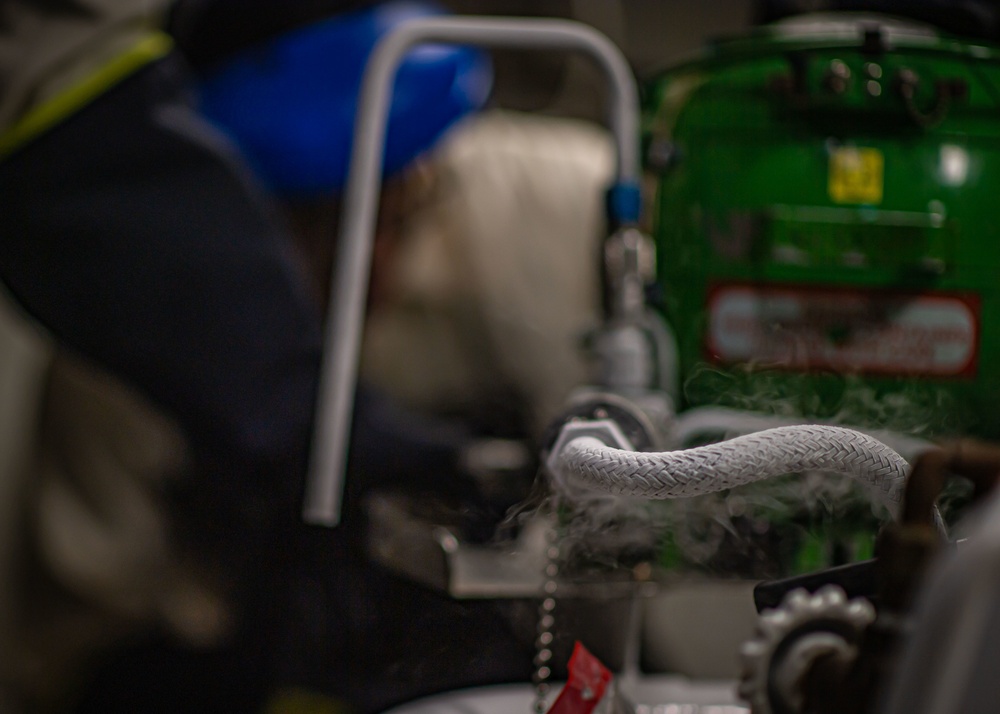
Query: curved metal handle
352	265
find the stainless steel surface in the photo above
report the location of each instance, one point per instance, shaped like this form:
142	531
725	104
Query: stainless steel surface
652	695
434	555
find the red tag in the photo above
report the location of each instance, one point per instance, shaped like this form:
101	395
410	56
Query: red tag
585	685
850	330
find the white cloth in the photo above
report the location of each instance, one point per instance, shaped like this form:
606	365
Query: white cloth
497	280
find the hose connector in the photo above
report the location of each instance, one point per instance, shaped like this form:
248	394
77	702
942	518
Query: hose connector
606	431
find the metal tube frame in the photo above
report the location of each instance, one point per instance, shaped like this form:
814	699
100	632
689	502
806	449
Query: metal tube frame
344	326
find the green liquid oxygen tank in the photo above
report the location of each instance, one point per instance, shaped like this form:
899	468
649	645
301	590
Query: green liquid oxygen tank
827	221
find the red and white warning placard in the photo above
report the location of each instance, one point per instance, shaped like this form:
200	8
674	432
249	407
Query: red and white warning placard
851	330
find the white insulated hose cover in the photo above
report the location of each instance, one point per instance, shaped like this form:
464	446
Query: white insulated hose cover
743	460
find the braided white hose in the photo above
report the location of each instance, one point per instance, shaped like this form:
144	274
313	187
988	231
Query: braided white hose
743	460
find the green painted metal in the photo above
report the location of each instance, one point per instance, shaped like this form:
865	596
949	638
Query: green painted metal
857	176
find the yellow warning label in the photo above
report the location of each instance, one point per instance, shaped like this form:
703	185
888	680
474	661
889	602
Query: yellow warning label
856	175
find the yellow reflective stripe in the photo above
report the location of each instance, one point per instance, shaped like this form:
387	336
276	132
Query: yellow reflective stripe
48	114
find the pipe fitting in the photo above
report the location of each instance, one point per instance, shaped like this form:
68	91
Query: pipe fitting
606	431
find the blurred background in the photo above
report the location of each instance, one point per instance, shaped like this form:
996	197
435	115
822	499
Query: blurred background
772	264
